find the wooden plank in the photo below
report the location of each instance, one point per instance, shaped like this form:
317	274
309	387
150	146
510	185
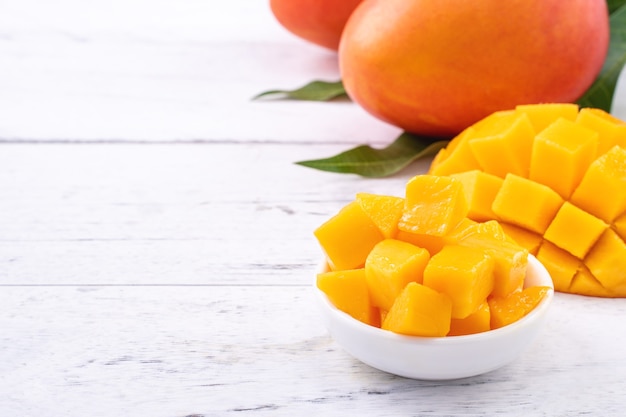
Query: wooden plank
138	214
250	350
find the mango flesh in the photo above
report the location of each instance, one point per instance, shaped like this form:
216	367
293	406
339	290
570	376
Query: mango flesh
432	283
570	210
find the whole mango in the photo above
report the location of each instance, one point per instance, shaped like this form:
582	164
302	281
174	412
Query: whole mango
436	67
318	21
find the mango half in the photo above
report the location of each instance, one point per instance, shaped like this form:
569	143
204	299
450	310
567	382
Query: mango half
554	176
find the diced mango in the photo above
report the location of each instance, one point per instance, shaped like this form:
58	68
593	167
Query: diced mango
348	237
611	130
602	191
419	311
525	203
564	146
456	157
465	274
432	244
477	322
510	262
543	115
584	283
480	189
609	270
384	210
620	226
523	237
561	264
505	311
503	144
574	230
347	290
434	205
390	266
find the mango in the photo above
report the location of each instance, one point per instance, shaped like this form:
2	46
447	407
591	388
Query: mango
477	322
464	274
570	210
348	291
348	237
390	266
507	310
419	311
384	210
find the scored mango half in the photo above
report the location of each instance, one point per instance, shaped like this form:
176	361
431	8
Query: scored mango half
554	177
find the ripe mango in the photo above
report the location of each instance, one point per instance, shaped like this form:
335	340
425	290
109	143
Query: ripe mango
570	207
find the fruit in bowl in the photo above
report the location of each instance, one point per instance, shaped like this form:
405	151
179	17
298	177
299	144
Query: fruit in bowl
407	273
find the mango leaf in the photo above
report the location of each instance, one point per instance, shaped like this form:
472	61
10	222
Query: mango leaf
375	163
314	91
615	4
600	94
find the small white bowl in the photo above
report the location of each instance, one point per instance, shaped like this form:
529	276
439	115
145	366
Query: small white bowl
438	358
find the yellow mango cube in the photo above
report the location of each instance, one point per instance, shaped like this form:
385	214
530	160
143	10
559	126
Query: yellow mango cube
347	290
543	115
348	237
465	274
526	203
602	191
609	270
480	189
477	322
390	266
505	311
384	210
434	205
564	147
503	144
456	157
525	238
611	130
419	311
574	230
561	264
620	226
585	283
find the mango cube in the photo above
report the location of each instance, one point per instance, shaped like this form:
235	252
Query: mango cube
525	238
390	266
456	157
602	191
384	210
505	311
566	146
419	311
611	130
561	264
503	143
620	226
465	274
543	115
434	205
585	283
347	290
525	203
609	270
480	189
477	322
574	230
348	237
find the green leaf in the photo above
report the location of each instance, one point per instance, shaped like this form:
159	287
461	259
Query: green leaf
615	4
313	91
600	94
375	163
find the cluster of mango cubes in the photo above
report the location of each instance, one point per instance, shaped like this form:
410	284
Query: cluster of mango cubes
417	265
554	177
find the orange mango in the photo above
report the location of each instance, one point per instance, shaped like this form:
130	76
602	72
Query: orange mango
419	311
384	210
348	291
477	322
505	311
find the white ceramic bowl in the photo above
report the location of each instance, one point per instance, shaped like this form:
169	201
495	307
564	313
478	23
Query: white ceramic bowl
439	358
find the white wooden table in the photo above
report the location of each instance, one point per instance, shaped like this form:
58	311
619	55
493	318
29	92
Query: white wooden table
156	247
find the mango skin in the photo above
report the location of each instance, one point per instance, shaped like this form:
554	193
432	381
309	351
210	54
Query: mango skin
317	21
436	67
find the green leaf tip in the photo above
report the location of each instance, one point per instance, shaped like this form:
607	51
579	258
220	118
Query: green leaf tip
314	91
377	163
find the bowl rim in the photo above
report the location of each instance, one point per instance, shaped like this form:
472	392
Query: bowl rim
532	316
